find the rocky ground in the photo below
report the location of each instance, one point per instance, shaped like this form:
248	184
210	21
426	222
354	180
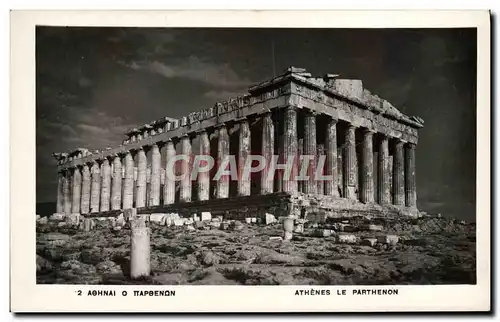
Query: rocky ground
428	250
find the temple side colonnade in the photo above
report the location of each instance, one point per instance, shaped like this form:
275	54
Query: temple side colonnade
369	148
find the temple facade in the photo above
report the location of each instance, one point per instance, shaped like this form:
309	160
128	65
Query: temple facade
369	147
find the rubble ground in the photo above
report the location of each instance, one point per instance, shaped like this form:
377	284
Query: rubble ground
371	251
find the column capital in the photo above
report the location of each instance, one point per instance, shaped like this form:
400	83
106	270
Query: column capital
367	131
351	126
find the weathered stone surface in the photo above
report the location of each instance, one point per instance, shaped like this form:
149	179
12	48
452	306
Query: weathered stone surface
142	164
95	188
367	189
398	188
347	239
57	217
289	148
140	262
73	219
116	184
383	190
205	215
159	219
310	185
270	219
372	227
76	191
266	185
369	242
244	146
169	185
186	166
222	189
331	187
179	222
204	176
154	195
349	164
388	239
410	180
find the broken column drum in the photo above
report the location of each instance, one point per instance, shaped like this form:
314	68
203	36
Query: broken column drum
368	146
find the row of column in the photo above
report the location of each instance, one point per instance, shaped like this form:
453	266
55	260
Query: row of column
93	188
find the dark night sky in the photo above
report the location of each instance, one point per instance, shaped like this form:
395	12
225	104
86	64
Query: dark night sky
94	83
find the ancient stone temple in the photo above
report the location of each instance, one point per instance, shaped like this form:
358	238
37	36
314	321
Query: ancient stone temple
368	149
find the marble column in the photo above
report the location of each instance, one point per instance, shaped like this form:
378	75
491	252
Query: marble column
331	188
310	185
320	184
204	177
383	176
95	189
77	186
169	185
60	193
222	190
243	153
367	189
300	153
185	184
398	193
67	191
105	184
154	195
410	179
85	198
266	183
142	167
290	148
128	182
348	162
116	183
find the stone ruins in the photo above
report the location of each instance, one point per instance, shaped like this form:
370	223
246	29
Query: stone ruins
369	147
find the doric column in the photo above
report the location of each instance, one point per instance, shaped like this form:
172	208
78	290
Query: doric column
320	184
243	153
266	183
310	149
331	188
169	186
290	148
60	193
383	191
204	177
67	191
300	153
185	185
154	195
410	178
116	183
398	192
128	182
142	168
349	165
105	185
367	190
77	186
85	198
222	153
95	189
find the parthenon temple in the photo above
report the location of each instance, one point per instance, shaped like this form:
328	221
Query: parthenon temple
369	148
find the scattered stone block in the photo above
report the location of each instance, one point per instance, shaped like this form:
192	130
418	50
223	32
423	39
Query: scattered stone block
188	221
199	225
178	222
117	228
216	219
369	242
317	217
43	220
347	239
388	239
37	217
221	218
120	220
61	224
270	219
158	219
196	218
253	220
236	225
248	220
275	238
190	228
224	225
299	228
57	217
72	219
372	227
205	215
287	235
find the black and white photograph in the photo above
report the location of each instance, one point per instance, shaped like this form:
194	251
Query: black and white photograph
263	156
